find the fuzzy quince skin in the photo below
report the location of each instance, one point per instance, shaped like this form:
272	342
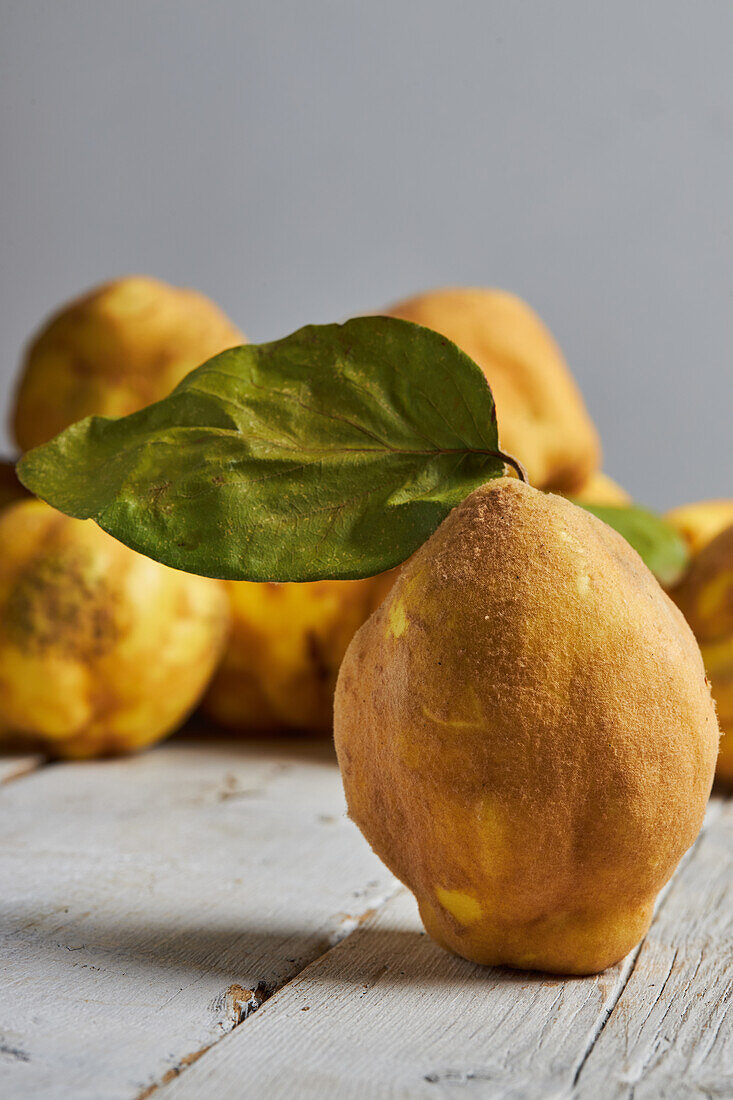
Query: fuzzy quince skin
101	649
541	415
526	735
286	644
121	346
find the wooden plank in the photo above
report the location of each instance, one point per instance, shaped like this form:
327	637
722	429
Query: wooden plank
148	905
16	765
387	1013
671	1033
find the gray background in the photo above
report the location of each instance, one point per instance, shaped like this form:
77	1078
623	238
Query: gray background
306	160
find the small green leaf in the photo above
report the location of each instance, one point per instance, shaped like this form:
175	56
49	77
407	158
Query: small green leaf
656	543
332	453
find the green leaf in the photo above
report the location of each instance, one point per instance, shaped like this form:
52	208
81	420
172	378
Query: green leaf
656	543
332	453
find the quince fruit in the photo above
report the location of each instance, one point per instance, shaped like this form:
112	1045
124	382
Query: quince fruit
602	490
286	644
526	735
700	522
705	597
101	649
542	418
120	347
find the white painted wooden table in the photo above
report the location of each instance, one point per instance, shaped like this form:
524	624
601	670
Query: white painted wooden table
203	921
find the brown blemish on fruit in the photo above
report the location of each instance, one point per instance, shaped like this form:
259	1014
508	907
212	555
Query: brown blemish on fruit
59	604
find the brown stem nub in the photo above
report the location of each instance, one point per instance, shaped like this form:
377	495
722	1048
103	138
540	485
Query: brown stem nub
516	465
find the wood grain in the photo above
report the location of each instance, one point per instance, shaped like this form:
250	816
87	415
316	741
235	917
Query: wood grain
386	1013
671	1033
149	905
203	920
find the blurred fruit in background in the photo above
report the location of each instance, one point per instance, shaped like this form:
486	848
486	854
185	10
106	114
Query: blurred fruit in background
705	597
602	490
286	645
700	522
287	640
127	343
120	347
101	649
542	418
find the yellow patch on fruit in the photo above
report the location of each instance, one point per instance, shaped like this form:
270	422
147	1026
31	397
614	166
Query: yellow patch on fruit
451	723
470	715
582	583
572	542
464	907
397	619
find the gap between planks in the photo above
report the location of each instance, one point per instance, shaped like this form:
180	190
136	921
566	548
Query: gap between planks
177	889
257	997
599	996
714	810
245	1002
18	765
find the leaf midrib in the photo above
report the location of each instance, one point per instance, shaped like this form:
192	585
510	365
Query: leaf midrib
384	448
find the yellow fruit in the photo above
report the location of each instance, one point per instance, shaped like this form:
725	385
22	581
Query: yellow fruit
699	523
123	345
705	597
541	415
286	644
526	735
101	650
603	490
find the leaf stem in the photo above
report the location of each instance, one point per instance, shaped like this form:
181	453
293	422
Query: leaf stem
515	464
